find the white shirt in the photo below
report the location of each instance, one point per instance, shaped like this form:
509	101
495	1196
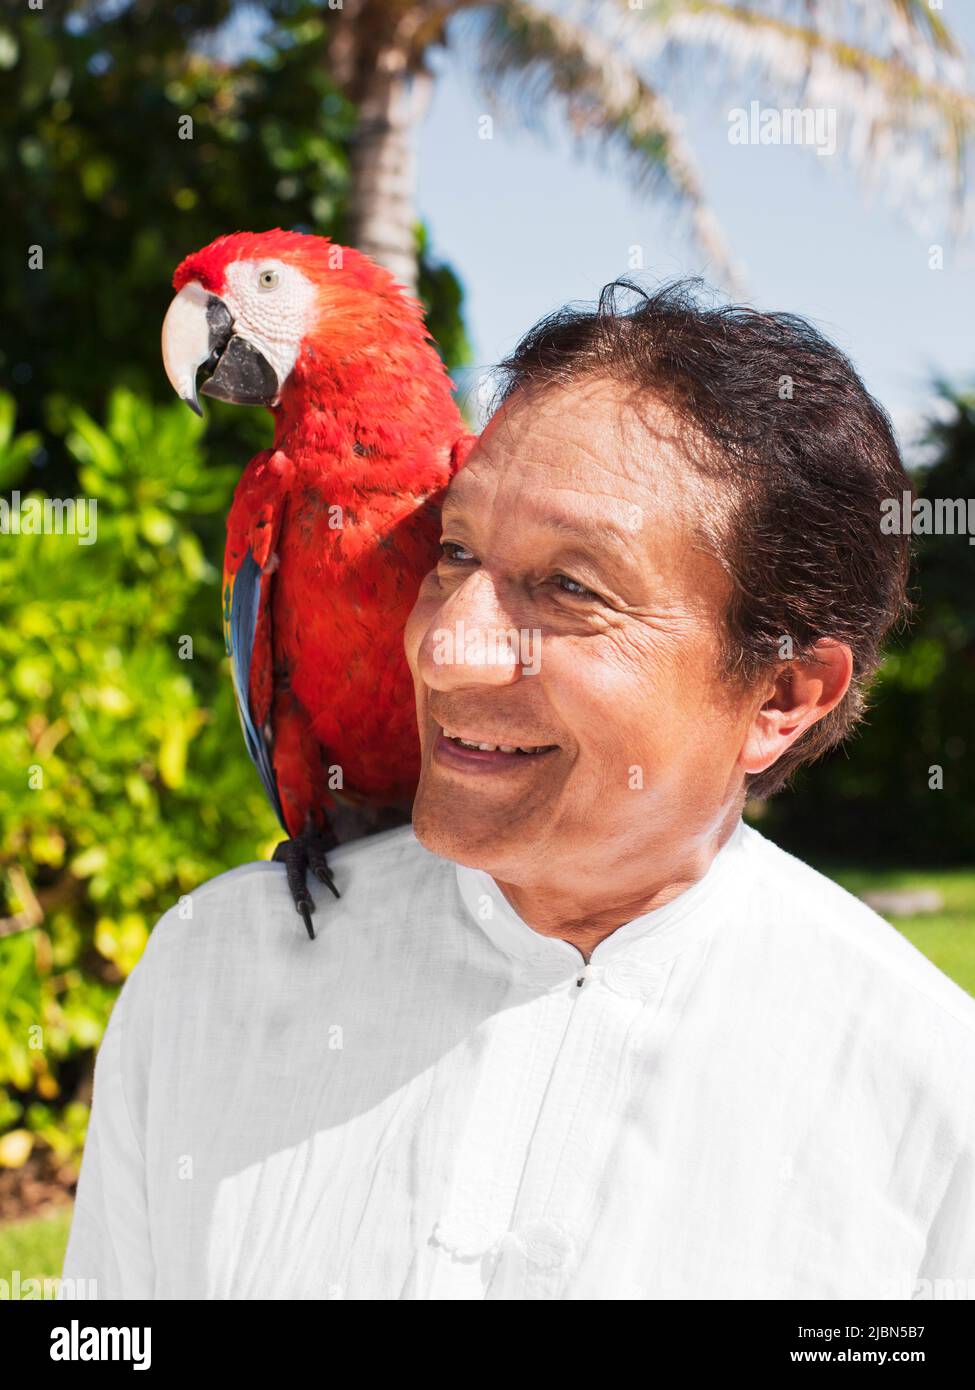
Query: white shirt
759	1091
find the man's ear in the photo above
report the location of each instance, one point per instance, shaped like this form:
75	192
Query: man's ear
803	691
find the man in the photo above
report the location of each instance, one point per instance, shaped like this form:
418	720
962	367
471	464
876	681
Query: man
579	1032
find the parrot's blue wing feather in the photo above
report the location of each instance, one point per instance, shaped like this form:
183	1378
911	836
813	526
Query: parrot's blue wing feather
241	608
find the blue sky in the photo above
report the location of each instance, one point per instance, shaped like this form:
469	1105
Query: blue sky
528	226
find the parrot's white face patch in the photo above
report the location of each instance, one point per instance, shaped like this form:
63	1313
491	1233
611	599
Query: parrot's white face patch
273	307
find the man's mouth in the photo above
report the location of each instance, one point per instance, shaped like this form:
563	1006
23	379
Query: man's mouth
480	751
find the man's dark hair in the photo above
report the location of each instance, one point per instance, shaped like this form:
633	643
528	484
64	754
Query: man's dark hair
803	457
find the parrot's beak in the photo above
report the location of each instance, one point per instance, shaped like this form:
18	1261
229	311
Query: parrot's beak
198	333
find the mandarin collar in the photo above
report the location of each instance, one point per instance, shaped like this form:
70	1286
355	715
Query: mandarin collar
654	937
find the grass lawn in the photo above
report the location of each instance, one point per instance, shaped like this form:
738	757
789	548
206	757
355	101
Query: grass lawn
36	1247
947	937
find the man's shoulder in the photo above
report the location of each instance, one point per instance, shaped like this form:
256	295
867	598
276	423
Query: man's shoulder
248	910
812	908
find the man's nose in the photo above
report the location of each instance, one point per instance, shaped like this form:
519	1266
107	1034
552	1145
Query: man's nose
471	640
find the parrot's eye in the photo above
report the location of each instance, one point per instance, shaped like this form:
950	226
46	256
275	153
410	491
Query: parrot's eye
268	279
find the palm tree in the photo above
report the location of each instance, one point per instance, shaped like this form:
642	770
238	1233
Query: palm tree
890	69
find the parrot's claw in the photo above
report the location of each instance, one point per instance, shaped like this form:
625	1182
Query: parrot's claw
308	851
318	863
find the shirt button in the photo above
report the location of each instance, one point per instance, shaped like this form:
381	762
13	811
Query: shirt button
546	1244
633	978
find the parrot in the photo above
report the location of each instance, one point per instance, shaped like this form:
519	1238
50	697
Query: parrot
331	531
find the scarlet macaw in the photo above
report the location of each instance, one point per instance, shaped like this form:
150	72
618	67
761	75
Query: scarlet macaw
332	530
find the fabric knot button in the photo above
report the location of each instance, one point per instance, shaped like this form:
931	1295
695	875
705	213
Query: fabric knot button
463	1238
633	978
546	1245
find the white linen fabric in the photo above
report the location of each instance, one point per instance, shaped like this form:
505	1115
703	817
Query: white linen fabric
759	1091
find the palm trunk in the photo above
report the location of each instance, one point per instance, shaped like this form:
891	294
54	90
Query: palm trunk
382	205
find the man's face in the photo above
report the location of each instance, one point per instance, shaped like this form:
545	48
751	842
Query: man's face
571	528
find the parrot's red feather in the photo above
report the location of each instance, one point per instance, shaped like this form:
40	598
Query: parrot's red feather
343	517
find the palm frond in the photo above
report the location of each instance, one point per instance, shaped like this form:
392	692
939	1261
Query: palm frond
888	23
539	57
909	109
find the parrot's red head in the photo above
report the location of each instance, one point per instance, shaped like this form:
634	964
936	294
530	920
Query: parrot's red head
253	308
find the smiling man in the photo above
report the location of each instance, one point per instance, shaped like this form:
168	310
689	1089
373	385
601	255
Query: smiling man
579	1033
576	519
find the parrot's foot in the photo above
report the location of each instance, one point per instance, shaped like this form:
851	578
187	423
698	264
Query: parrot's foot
307	851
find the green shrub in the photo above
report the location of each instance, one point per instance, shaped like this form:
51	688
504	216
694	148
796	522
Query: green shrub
123	778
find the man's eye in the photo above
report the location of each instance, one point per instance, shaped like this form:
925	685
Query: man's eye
452	550
572	586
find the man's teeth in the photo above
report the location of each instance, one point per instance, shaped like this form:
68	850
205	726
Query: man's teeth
492	747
